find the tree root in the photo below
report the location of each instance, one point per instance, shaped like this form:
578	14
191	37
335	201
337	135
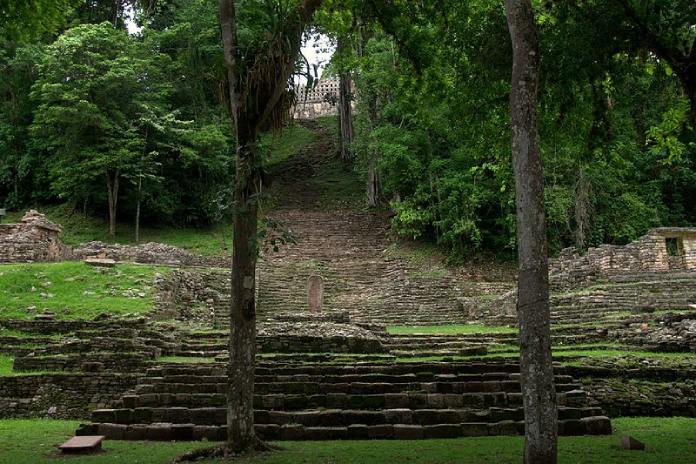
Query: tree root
224	453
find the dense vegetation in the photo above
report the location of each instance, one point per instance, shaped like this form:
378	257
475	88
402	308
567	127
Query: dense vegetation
106	121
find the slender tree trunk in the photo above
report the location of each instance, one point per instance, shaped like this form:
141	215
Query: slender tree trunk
137	209
690	88
373	183
345	109
112	181
242	341
538	389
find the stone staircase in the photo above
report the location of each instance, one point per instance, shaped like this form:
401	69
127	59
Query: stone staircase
295	401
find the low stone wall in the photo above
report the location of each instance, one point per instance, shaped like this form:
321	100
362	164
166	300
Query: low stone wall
628	397
148	253
636	293
65	396
318	344
88	362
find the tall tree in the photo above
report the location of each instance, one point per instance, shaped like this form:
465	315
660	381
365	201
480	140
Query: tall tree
94	85
258	72
536	369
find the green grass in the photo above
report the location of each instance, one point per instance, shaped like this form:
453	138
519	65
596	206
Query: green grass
291	141
73	290
340	187
668	440
449	329
5	365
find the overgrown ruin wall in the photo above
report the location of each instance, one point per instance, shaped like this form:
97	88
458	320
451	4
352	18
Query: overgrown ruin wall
35	238
660	250
193	294
61	395
148	253
657	271
321	100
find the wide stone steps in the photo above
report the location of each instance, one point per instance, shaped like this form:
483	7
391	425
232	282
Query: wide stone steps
362	388
296	401
327	417
292	402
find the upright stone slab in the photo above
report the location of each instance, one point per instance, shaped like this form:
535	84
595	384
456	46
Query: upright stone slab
315	293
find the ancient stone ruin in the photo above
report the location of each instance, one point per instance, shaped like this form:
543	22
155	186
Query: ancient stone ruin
655	272
35	238
315	293
321	100
661	250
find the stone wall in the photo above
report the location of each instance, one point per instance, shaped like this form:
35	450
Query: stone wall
148	253
321	100
650	253
66	396
655	272
35	238
193	295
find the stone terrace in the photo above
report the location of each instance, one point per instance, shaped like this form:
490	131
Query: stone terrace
318	402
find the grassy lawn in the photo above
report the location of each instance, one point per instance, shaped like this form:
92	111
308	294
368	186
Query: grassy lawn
73	290
449	329
668	440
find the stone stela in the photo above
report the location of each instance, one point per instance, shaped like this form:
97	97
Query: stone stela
315	293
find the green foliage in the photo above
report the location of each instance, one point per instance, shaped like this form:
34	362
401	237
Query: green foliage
615	135
73	290
28	18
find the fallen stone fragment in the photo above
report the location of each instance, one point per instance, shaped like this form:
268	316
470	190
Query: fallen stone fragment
100	262
630	443
83	444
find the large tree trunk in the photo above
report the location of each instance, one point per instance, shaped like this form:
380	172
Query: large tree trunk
112	181
538	389
346	116
242	342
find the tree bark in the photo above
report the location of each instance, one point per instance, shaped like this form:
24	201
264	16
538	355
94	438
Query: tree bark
536	369
690	87
373	183
112	181
242	341
345	110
